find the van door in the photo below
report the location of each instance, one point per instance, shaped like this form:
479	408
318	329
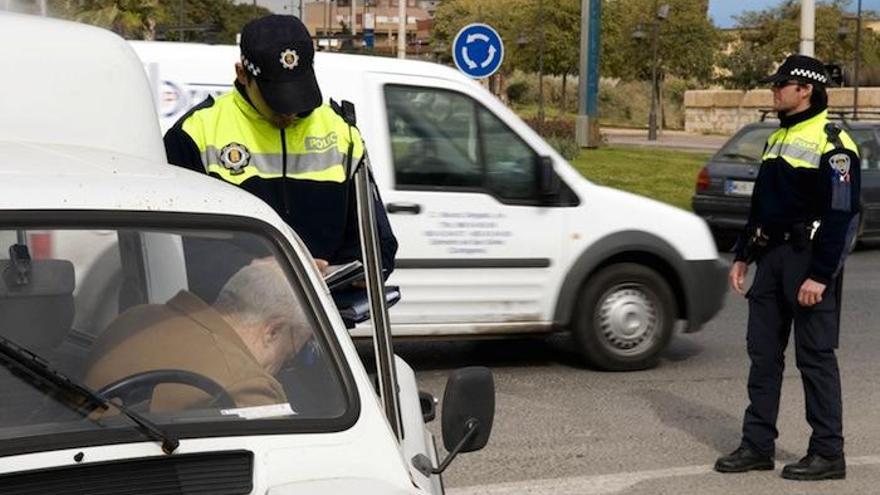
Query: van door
479	247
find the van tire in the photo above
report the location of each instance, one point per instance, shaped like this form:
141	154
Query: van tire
616	295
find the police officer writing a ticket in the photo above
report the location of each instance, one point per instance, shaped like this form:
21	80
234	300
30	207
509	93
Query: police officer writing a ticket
804	214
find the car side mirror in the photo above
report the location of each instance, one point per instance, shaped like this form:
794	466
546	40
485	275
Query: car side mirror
468	408
468	414
548	181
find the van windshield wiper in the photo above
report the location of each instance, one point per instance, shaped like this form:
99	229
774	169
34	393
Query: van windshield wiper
39	373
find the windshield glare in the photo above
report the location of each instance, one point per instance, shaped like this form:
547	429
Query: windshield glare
183	326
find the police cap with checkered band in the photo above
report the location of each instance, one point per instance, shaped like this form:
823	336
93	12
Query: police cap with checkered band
800	68
278	52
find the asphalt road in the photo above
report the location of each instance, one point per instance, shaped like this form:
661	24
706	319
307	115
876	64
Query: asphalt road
561	428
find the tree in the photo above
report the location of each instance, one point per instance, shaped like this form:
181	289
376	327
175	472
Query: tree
209	21
452	15
688	42
766	37
133	19
206	21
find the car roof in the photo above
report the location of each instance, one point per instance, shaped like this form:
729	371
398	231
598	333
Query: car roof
73	84
63	177
79	130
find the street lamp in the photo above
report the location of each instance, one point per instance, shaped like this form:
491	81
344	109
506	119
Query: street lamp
639	34
842	31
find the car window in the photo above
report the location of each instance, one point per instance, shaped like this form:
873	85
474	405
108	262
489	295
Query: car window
747	146
510	163
869	149
116	308
433	138
445	140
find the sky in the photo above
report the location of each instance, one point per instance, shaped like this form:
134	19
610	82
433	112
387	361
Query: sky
721	11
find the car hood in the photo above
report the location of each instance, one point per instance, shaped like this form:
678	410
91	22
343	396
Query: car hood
342	486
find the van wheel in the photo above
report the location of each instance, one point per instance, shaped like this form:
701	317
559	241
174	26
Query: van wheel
627	318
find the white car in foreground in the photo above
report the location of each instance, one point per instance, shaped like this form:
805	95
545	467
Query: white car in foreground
94	222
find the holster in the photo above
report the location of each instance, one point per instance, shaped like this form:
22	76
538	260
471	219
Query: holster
761	239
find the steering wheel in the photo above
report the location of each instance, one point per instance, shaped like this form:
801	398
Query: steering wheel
138	388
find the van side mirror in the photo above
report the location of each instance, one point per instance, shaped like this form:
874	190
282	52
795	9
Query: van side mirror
468	414
548	181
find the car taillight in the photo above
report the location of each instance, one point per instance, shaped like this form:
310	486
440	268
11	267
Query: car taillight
703	179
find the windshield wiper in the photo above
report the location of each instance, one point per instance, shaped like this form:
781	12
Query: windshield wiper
36	368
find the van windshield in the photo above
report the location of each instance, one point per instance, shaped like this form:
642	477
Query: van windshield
186	327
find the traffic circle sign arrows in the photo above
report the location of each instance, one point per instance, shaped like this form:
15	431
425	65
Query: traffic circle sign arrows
478	50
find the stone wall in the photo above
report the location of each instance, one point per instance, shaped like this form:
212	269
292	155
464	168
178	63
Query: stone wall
725	111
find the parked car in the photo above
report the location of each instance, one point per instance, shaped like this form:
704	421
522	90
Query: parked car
724	185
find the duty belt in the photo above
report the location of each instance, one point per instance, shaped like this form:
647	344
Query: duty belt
799	234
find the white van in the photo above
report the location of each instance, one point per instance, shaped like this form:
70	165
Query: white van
92	227
498	234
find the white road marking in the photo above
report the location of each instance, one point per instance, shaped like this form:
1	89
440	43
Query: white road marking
605	484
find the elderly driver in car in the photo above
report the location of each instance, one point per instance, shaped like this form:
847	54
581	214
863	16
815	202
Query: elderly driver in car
240	341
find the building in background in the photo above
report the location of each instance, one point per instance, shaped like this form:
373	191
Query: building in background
375	23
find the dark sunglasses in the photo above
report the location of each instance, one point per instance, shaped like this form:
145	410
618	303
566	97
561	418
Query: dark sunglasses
782	84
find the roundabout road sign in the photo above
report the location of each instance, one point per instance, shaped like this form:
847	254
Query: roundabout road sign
478	50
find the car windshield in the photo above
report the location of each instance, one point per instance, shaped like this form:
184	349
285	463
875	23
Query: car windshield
184	326
746	146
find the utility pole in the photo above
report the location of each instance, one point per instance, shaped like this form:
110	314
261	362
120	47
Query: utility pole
401	28
587	126
353	26
655	40
808	28
857	61
541	64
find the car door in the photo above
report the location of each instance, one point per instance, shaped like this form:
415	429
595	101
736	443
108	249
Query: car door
478	248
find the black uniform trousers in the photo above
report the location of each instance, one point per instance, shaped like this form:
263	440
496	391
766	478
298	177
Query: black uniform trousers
773	307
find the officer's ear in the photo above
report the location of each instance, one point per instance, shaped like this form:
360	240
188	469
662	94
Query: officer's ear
807	89
241	75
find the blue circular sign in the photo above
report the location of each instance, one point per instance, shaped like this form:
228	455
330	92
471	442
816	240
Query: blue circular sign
478	50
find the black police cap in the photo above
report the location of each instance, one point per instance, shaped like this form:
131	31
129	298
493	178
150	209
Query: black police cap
800	68
278	52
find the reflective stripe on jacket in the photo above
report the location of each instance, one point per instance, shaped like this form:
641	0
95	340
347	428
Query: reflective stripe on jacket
803	144
237	144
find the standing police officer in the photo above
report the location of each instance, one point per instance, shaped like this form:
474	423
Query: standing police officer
804	215
273	136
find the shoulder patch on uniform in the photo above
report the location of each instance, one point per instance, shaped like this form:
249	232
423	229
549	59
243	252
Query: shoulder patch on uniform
840	163
235	157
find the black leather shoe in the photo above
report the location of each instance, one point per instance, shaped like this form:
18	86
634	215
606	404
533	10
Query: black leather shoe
815	467
744	459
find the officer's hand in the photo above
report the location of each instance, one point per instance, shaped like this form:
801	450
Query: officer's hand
737	276
321	265
810	293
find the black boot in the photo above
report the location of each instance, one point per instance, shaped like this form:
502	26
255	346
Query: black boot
744	459
815	467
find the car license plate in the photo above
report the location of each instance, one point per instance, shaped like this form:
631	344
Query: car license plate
740	187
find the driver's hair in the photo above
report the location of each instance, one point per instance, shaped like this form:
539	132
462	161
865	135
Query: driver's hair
258	293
